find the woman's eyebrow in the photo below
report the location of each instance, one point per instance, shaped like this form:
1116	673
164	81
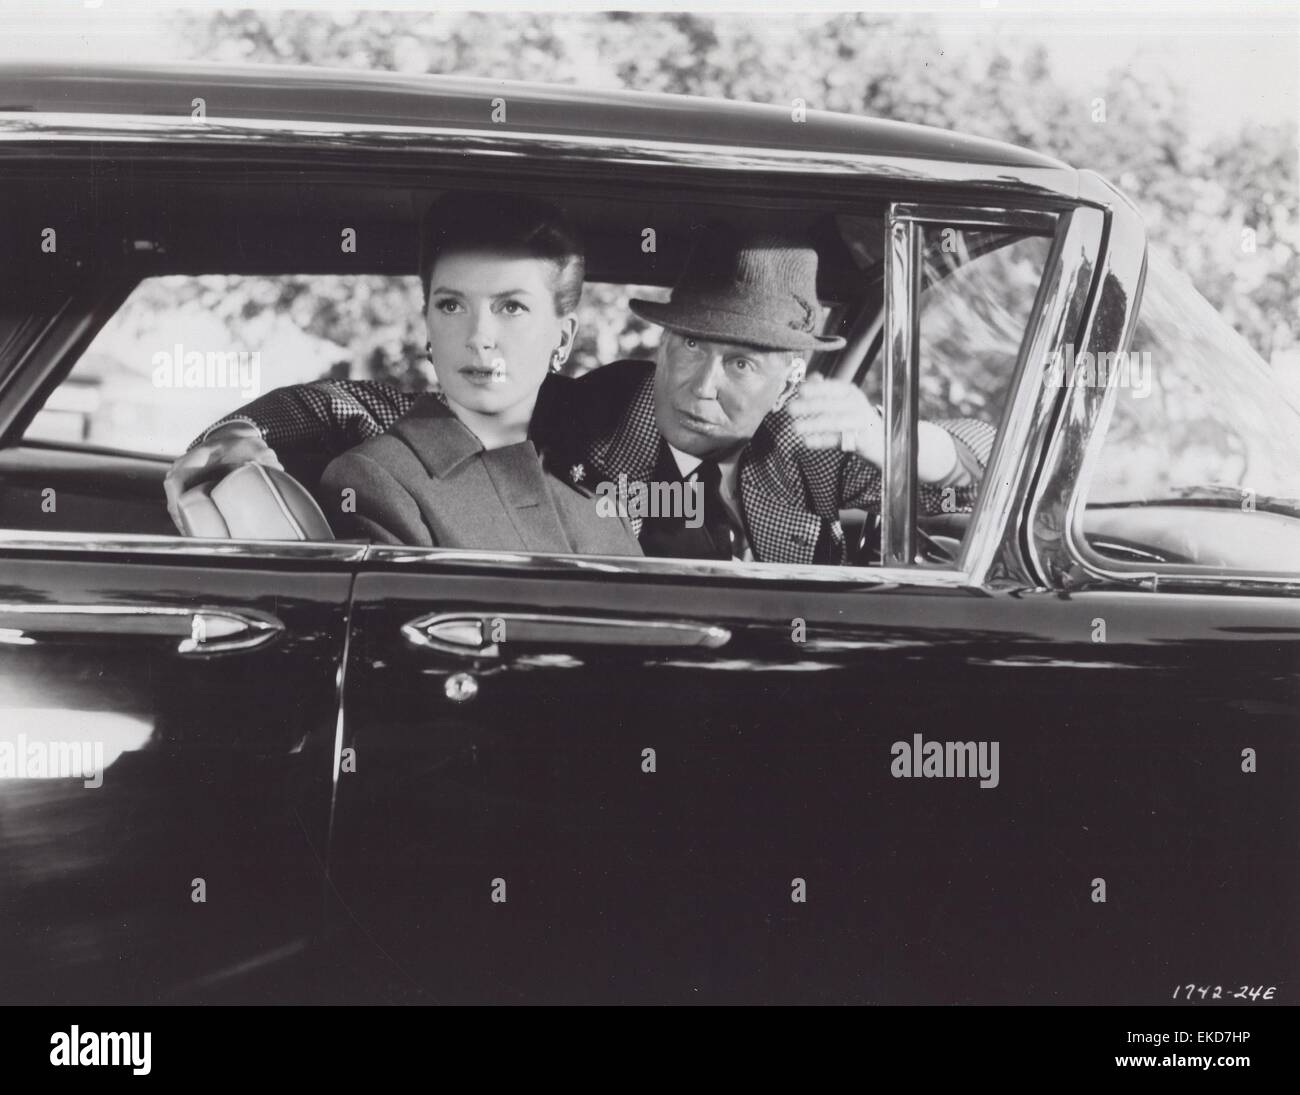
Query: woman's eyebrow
444	290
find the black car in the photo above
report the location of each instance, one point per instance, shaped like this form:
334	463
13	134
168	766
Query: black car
297	770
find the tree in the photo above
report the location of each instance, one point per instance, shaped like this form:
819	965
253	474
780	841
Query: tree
1197	201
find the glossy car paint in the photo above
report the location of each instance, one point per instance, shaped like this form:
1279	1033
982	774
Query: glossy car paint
216	768
308	96
1118	759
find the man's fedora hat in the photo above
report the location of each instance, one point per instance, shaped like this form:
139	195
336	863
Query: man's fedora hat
758	291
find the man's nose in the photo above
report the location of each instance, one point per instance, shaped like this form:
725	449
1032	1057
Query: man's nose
704	384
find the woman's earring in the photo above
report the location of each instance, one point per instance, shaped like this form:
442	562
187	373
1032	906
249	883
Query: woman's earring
555	361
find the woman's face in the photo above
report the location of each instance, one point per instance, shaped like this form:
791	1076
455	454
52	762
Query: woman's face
493	328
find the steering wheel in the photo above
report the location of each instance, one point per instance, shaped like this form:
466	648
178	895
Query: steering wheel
932	547
938	549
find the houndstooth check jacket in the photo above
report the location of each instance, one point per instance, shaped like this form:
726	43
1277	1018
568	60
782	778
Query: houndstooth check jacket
602	425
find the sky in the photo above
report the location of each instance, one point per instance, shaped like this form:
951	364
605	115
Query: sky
1239	64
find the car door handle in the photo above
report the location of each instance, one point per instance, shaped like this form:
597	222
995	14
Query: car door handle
201	631
479	635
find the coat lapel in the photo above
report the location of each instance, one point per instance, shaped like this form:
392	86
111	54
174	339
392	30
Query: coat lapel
520	483
781	529
632	447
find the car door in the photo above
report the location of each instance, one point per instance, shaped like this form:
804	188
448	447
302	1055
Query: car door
168	721
660	784
585	781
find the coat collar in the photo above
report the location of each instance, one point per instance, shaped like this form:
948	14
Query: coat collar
631	448
437	437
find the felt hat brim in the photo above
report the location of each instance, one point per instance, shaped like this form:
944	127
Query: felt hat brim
718	325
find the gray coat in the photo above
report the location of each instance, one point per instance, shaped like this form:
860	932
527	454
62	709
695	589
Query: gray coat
428	482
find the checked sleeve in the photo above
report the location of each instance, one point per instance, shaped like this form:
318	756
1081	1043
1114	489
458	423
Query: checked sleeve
329	415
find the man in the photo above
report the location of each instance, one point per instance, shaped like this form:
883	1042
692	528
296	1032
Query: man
725	407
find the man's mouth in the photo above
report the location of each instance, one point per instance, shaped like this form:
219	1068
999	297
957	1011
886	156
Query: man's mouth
698	422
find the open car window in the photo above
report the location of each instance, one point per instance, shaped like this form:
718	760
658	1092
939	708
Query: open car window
977	287
184	351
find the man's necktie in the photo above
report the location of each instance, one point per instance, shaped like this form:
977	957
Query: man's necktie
669	535
717	521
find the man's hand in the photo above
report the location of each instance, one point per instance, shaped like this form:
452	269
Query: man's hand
834	414
225	449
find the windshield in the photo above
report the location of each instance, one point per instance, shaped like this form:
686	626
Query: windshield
1198	415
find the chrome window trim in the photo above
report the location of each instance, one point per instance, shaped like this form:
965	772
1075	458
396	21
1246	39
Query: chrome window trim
994	554
763	573
901	385
1029	221
1053	514
48	127
991	528
36	540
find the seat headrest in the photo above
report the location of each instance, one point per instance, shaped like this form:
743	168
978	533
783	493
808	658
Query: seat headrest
253	502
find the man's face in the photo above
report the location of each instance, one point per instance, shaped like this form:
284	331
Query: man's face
711	396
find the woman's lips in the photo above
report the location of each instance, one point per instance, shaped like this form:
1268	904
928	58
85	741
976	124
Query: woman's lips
483	375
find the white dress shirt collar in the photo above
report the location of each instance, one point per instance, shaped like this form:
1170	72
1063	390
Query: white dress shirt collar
686	463
729	487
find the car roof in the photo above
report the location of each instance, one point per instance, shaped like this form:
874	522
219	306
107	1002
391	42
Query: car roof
306	94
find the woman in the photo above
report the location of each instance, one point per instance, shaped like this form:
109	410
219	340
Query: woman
483	463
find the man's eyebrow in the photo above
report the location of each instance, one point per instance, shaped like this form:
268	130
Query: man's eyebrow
736	349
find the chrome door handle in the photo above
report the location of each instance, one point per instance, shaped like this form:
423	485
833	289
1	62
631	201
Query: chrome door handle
224	631
479	634
201	631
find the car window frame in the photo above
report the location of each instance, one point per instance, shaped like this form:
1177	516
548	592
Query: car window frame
840	178
900	381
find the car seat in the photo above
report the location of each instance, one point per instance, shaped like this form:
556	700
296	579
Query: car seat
253	502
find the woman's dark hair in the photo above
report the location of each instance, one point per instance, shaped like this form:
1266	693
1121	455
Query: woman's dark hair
510	223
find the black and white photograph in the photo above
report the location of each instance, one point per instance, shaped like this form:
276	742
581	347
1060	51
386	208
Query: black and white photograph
743	505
